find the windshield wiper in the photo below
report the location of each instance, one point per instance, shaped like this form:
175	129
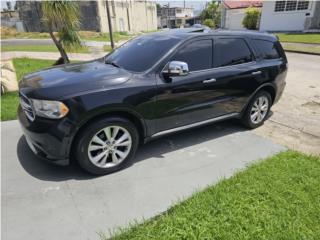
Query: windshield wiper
113	64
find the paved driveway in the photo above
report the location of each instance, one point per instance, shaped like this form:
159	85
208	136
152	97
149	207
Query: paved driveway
43	201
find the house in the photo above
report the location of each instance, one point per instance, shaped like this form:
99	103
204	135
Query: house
175	17
126	15
290	16
233	12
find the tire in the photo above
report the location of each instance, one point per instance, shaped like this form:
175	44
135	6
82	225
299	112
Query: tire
103	156
252	121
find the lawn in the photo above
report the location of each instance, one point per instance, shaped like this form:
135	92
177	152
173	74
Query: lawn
107	48
278	198
9	33
299	48
299	38
23	66
39	48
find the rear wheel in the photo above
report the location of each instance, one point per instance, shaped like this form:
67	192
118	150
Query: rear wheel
257	110
107	145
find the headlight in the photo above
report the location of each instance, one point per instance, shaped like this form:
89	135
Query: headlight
49	109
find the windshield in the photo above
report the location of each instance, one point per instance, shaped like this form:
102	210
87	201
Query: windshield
141	53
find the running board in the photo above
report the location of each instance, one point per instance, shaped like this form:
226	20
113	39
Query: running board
212	120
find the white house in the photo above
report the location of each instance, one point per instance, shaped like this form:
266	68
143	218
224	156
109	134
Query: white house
290	15
233	12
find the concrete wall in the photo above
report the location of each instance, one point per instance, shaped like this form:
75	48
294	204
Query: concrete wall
126	15
233	19
285	21
129	15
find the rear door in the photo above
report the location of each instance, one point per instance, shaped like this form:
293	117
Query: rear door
236	72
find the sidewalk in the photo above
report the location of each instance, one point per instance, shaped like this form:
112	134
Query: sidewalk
52	55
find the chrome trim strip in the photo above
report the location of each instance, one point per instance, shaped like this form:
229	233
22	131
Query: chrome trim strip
230	115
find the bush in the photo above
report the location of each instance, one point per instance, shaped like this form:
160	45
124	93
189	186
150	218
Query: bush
209	23
250	21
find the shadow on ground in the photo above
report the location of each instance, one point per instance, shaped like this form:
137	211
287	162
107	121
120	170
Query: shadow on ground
44	170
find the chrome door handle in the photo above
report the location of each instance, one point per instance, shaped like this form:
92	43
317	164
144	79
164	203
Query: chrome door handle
209	80
256	73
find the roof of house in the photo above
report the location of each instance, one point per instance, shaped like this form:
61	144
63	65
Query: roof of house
233	4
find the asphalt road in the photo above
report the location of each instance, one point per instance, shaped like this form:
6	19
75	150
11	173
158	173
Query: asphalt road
43	201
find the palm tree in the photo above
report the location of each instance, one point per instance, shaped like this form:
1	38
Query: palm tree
62	16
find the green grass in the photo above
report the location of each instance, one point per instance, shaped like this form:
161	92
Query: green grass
299	38
23	66
307	49
10	33
278	198
104	37
107	48
9	106
39	48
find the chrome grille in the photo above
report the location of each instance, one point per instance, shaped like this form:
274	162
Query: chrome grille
26	106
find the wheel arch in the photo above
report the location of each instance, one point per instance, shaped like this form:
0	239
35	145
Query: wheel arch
268	87
132	116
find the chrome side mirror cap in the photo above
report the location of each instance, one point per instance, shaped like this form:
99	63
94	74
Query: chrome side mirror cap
176	68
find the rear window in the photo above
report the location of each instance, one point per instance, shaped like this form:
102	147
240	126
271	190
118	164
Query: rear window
266	49
231	51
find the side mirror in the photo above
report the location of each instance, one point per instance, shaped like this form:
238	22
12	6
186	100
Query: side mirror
176	68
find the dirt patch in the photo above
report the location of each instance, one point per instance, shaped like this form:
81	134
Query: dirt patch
295	122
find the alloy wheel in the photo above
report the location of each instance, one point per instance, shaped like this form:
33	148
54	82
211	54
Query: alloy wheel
259	109
109	146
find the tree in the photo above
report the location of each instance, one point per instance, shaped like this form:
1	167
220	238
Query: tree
62	16
251	18
209	22
212	12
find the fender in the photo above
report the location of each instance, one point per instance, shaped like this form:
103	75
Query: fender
269	84
101	112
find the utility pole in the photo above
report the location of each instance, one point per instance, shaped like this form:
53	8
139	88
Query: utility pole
109	24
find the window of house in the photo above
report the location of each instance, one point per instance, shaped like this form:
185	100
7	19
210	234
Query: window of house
303	5
280	6
231	51
198	55
292	5
179	21
266	49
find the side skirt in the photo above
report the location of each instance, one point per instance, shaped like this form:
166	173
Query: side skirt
197	124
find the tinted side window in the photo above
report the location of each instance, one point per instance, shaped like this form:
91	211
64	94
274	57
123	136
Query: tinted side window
198	55
228	51
266	49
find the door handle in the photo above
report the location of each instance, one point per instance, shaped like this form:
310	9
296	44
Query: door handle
209	80
256	73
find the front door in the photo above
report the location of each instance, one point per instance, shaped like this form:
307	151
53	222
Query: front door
185	99
218	83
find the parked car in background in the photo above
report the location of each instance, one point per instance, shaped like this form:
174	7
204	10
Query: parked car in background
98	112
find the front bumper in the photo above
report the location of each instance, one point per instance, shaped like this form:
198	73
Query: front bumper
47	138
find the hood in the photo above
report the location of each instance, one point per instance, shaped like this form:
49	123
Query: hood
73	79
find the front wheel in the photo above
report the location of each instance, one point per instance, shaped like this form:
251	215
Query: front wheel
107	145
257	110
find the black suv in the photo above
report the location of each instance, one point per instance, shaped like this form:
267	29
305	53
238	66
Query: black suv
97	112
